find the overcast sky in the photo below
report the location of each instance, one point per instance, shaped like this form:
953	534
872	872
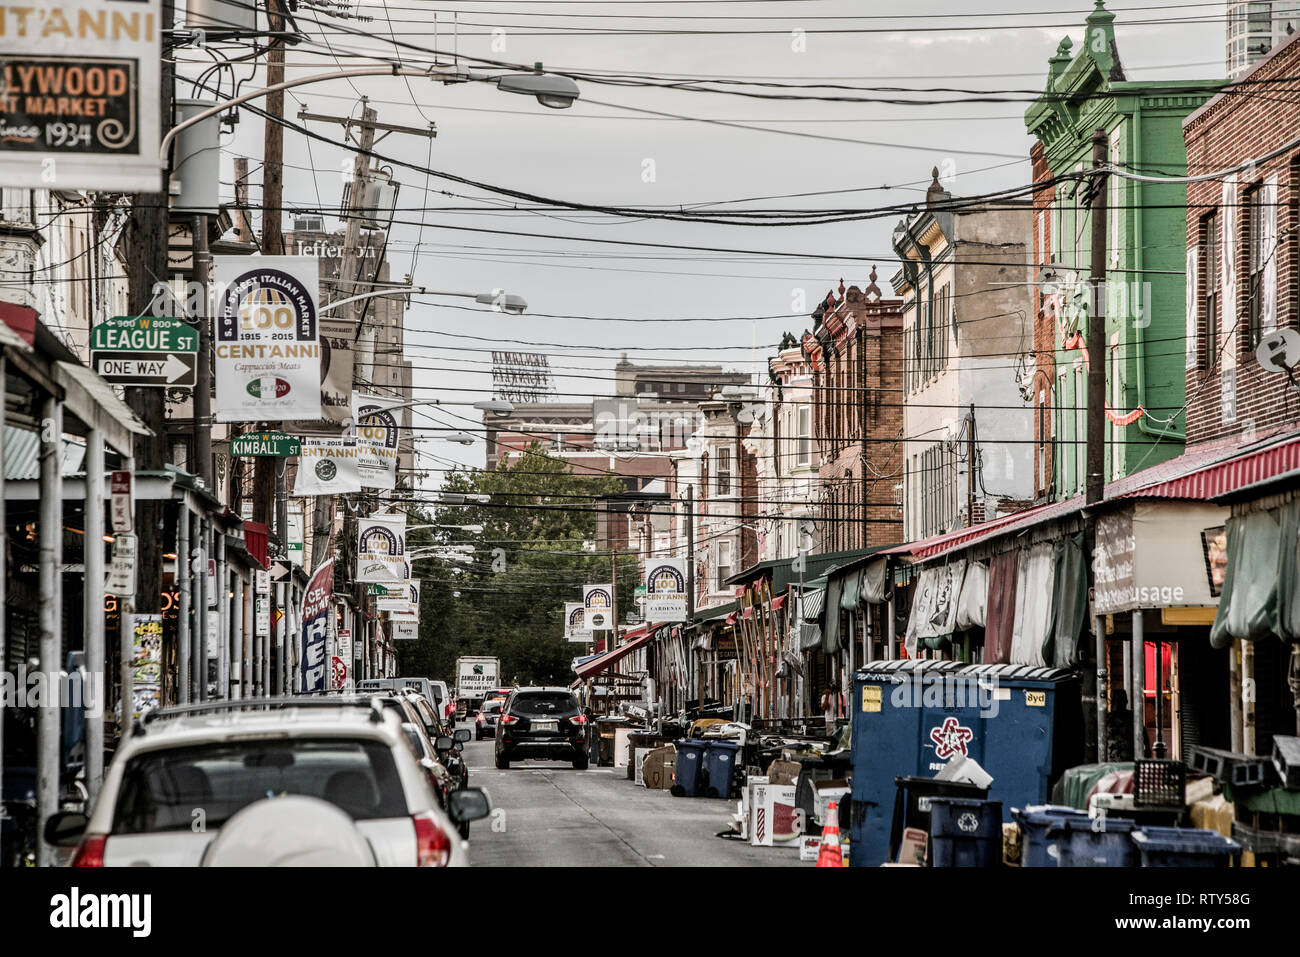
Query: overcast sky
600	151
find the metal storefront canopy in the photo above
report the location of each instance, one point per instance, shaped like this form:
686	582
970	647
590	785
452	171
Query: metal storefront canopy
636	639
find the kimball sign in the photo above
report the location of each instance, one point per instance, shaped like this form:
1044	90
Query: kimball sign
79	95
265	444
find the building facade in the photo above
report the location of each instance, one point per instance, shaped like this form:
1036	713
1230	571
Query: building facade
1255	28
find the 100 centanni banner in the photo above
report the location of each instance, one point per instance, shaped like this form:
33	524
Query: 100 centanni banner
267	338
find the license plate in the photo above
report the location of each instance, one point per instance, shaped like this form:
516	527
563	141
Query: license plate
545	726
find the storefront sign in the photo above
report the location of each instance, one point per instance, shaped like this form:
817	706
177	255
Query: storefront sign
376	431
315	628
405	630
381	549
267	338
327	467
79	95
1112	563
1152	555
665	590
598	600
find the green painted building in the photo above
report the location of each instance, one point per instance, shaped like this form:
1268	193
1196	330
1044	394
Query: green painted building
1146	236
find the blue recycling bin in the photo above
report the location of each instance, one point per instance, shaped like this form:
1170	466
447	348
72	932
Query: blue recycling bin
1184	847
965	832
719	768
1053	836
688	768
912	717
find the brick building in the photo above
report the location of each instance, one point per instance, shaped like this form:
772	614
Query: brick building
1039	389
1243	255
856	352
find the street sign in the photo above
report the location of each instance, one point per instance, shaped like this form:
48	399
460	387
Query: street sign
121	572
279	571
145	351
265	444
212	583
122	505
262	616
262	580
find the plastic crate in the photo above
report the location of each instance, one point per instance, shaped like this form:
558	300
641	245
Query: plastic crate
965	832
1158	782
1184	847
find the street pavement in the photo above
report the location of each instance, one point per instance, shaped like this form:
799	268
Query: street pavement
546	814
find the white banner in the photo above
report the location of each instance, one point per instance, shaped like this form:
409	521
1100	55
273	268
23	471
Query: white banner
395	598
598	600
376	430
267	338
81	106
575	628
327	467
381	549
337	337
405	631
665	590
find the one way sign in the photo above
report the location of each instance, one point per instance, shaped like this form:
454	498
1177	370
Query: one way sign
147	368
279	571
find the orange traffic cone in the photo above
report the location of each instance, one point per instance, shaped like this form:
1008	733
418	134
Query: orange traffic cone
829	855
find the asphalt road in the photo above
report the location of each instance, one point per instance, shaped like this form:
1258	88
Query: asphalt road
546	814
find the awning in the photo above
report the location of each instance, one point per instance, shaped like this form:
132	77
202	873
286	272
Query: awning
812	604
93	401
632	641
1261	586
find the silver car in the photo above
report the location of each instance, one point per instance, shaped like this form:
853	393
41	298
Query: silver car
184	773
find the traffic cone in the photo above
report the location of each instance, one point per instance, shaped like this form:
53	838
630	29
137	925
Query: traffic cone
829	855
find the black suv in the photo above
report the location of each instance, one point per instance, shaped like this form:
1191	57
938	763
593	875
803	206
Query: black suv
542	723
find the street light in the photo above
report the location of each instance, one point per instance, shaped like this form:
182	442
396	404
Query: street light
462	498
472	529
461	438
498	300
555	92
495	406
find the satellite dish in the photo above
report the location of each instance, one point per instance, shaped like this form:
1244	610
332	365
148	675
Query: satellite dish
1279	351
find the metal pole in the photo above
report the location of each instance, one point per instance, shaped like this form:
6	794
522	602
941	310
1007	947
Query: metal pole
1158	750
4	571
1096	483
1234	695
201	602
689	499
1139	698
238	636
93	604
223	615
203	373
1099	630
126	649
50	545
970	467
1248	697
182	565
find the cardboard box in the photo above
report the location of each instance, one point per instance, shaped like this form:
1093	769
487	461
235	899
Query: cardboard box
784	772
912	850
773	816
657	768
824	792
638	764
810	846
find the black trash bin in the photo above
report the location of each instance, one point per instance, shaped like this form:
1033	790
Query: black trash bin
912	804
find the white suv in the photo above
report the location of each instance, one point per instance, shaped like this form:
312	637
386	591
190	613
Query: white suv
188	770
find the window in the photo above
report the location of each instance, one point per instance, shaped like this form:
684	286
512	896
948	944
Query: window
1080	427
1255	258
723	563
804	447
1210	269
724	471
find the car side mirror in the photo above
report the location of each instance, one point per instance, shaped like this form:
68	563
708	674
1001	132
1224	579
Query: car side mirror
461	736
444	743
468	804
66	828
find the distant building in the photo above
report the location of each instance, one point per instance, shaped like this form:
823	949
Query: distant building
1255	28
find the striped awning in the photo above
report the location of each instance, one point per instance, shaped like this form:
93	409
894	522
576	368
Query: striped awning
812	605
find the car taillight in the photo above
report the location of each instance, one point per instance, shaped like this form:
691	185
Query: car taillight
506	718
480	719
432	845
579	719
90	852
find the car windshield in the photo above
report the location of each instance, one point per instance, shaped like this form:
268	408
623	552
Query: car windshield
171	790
494	706
544	704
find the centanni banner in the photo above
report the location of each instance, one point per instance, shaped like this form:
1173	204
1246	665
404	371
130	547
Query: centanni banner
268	353
376	428
327	467
314	667
575	628
598	601
381	549
665	590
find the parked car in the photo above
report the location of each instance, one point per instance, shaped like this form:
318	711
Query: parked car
485	722
187	771
541	723
445	702
435	691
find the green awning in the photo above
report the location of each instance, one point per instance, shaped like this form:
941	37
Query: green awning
1261	578
851	590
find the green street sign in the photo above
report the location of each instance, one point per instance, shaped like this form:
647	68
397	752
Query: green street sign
639	591
265	445
144	334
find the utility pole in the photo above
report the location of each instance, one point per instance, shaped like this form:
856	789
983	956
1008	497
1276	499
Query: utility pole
203	377
970	467
689	499
242	224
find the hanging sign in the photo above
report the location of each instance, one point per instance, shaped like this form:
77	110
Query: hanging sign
665	590
267	338
265	445
327	467
575	628
295	533
381	549
406	630
315	628
337	337
146	662
376	432
598	600
80	106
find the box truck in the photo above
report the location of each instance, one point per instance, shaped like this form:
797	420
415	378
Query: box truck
475	676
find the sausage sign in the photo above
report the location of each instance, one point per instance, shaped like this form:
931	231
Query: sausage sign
79	95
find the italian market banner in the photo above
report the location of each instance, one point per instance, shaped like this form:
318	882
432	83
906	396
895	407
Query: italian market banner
381	549
336	364
665	590
402	602
598	600
575	628
268	354
392	598
327	467
314	665
81	84
376	428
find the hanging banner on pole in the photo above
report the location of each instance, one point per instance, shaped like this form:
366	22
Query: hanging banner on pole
327	467
267	338
80	107
381	549
598	600
665	590
376	430
337	337
406	630
315	628
575	628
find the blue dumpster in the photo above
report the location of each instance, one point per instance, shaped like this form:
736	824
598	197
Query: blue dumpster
1184	847
689	766
719	768
911	717
965	832
1066	837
